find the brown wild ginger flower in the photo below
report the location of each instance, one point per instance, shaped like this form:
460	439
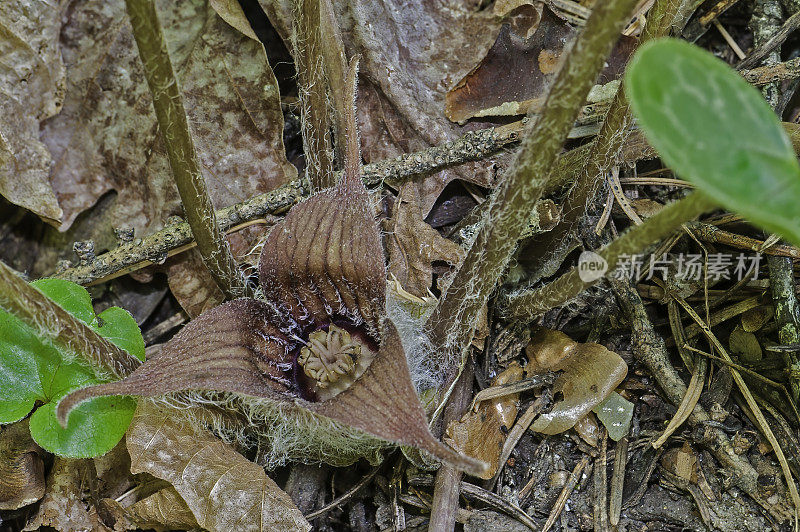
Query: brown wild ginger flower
320	341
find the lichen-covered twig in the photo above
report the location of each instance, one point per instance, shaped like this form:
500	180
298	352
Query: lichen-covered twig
649	348
453	321
763	49
527	304
174	126
154	248
781	282
51	321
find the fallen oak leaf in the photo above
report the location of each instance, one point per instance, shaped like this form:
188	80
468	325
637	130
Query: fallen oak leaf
321	345
223	489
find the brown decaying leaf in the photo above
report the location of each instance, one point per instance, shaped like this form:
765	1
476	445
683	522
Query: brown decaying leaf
163	510
511	71
105	138
414	245
190	281
223	489
232	13
21	467
513	77
412	53
590	374
63	507
322	265
31	89
481	433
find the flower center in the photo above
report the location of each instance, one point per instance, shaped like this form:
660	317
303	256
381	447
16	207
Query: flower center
328	356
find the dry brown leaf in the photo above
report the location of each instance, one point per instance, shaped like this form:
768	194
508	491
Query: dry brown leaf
755	318
163	510
415	245
232	13
63	506
31	90
513	77
21	467
516	69
106	139
745	345
481	433
224	490
590	374
412	54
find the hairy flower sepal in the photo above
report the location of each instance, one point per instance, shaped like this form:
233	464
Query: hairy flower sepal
320	342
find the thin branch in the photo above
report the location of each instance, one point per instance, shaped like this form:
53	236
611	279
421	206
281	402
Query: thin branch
172	122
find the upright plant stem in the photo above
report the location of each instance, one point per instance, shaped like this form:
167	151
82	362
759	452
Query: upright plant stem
172	122
453	321
530	303
551	247
317	121
51	321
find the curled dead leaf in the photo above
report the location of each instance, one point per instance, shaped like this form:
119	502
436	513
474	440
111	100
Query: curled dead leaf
21	467
590	374
414	245
482	432
223	489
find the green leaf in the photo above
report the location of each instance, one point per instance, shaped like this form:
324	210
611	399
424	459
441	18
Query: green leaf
615	413
72	297
121	329
715	130
33	369
93	429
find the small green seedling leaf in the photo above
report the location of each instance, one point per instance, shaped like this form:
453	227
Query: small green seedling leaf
715	130
615	413
34	369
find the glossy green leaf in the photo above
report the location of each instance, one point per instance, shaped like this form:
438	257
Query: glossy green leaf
615	413
33	369
72	297
716	130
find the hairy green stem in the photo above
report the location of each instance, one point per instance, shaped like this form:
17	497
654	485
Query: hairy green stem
307	41
452	323
51	321
527	304
174	126
549	250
